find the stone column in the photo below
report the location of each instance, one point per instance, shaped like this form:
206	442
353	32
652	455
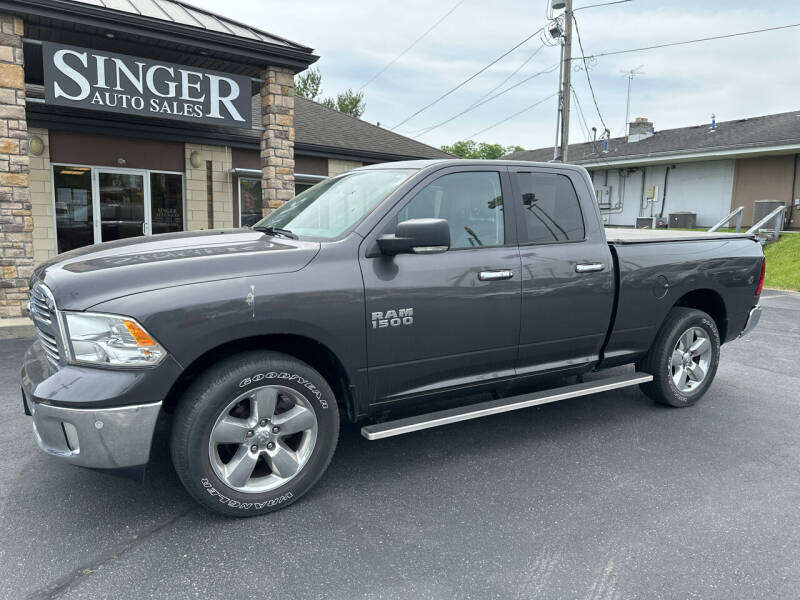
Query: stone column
16	222
277	138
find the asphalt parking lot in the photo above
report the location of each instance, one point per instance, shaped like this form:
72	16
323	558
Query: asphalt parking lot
604	497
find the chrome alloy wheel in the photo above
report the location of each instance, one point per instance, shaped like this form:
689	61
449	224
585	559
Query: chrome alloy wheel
690	359
262	439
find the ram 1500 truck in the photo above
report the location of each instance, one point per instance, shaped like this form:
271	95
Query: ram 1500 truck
410	285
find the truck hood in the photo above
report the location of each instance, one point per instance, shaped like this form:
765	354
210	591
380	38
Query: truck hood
84	277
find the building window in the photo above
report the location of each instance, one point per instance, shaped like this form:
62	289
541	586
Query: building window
100	204
299	188
74	207
166	198
250	202
251	207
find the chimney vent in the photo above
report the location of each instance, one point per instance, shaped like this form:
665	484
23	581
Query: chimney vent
640	129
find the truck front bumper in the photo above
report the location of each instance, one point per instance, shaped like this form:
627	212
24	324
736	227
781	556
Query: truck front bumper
93	417
752	320
101	438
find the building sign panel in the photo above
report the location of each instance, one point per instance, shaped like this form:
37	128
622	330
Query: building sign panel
100	80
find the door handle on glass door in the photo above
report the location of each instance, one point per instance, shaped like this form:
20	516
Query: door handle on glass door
589	268
495	275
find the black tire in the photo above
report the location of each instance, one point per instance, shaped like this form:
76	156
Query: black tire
657	362
207	397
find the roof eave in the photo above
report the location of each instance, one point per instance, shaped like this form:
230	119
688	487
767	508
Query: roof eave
691	156
250	51
355	153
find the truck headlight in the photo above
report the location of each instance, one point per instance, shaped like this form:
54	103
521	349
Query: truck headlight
111	340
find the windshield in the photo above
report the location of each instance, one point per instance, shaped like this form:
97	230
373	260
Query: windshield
329	208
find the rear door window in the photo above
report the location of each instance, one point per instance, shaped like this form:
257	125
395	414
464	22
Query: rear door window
551	212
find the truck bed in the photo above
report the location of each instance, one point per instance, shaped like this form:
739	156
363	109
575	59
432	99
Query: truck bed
629	235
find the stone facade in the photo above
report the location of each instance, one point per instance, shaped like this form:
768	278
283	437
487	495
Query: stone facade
196	179
16	221
336	166
44	234
277	138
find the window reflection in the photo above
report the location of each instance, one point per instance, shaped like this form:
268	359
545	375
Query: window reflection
73	199
166	193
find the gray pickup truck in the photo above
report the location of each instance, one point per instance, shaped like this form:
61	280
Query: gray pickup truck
403	296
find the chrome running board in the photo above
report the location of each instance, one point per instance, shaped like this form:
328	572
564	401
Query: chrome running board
493	407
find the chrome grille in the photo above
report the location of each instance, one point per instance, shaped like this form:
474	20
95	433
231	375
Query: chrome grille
39	306
43	314
49	345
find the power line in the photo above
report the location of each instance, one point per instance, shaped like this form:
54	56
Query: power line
593	142
587	131
489	99
479	101
696	41
586	68
601	4
507	79
468	79
516	114
414	43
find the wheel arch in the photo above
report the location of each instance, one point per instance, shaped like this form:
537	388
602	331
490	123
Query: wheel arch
308	350
711	302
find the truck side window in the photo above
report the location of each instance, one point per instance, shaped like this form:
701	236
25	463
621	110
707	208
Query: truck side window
472	203
551	208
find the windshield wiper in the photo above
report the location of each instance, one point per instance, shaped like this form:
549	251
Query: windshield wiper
270	230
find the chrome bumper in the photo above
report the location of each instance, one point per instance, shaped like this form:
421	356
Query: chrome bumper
752	320
101	438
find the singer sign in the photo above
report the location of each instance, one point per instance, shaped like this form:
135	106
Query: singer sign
98	80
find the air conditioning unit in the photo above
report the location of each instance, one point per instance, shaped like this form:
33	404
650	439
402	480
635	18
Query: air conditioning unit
683	220
761	208
645	222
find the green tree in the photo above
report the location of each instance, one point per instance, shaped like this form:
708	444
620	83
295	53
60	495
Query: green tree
309	85
482	150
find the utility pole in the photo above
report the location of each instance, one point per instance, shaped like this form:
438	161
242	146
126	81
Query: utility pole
566	76
556	145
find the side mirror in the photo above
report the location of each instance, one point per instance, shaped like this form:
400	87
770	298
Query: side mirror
418	236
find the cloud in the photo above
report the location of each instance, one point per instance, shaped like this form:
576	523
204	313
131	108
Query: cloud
734	78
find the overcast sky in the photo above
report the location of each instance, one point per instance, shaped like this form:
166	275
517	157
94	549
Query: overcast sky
733	78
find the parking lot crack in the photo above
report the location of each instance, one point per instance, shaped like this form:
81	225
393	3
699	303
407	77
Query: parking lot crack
63	584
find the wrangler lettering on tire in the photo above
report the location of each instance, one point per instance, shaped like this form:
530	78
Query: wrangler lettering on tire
254	433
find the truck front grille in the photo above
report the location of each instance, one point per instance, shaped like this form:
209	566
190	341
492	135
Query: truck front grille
40	310
43	314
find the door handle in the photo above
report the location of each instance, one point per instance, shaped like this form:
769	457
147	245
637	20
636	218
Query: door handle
495	275
589	268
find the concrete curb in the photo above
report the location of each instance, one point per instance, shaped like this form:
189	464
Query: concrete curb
15	328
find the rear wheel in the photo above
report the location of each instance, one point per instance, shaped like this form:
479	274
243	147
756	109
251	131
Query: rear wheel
254	433
683	358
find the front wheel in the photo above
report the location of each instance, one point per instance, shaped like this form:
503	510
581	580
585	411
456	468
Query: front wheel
683	358
254	433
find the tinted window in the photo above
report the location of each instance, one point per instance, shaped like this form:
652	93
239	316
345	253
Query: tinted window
472	203
551	208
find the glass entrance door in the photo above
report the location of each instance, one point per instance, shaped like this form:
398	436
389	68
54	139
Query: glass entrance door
122	210
102	204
